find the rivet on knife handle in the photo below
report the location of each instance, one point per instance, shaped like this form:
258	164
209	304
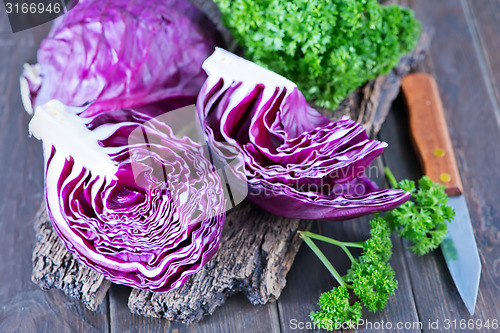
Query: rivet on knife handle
430	132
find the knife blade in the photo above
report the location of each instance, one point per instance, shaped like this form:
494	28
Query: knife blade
432	143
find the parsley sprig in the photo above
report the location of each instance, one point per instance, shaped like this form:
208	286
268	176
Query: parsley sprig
371	278
423	220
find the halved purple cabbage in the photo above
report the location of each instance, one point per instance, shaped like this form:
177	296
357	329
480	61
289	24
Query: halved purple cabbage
121	54
298	163
131	198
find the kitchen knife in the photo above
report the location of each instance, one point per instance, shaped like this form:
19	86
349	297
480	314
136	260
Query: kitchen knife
433	146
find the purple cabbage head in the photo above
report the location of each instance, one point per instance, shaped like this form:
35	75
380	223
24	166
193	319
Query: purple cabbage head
297	162
133	199
121	54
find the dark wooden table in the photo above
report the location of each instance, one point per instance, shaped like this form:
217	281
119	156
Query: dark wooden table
464	58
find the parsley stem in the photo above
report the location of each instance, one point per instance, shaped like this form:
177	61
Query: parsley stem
359	245
332	241
343	245
322	257
390	177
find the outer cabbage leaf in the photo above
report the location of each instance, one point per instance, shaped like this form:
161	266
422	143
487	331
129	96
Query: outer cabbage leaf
129	196
297	162
121	54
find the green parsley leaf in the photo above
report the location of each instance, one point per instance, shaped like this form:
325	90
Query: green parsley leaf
373	282
422	221
336	310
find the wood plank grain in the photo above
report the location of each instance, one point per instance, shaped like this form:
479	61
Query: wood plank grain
122	321
484	21
23	306
307	279
401	307
369	106
481	182
237	315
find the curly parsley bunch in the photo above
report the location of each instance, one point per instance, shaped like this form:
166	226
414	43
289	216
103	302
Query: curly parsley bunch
327	47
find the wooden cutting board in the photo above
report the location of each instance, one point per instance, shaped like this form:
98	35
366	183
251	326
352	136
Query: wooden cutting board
257	249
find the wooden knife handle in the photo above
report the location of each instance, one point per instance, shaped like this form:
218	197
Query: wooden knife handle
429	131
